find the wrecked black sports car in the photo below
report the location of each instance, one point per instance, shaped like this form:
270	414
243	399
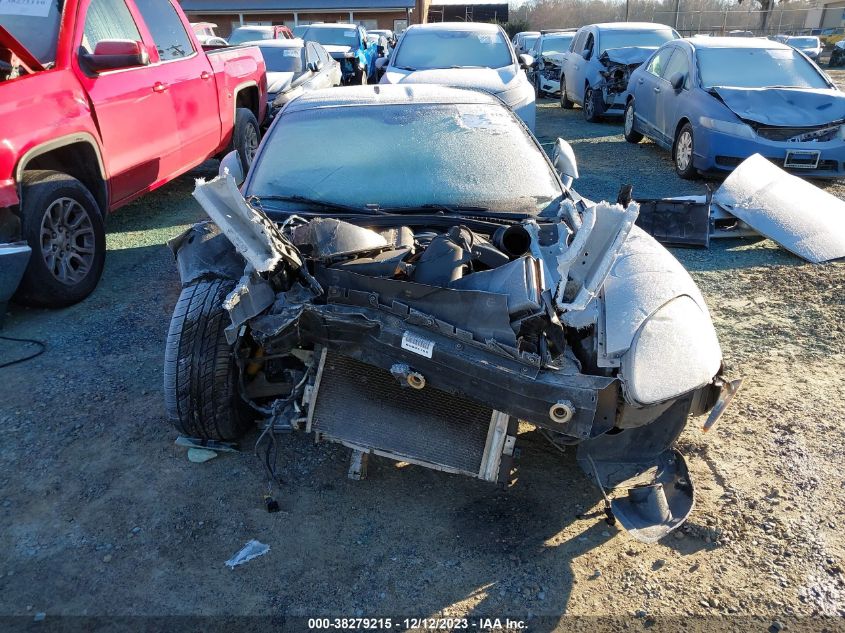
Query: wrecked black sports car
420	304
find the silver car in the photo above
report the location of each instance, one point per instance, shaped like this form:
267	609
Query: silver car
600	61
465	55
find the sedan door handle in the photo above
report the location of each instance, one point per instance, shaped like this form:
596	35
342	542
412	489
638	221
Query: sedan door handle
640	80
657	89
159	87
205	75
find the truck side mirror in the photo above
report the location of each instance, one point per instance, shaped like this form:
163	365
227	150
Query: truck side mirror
231	164
526	61
563	159
115	54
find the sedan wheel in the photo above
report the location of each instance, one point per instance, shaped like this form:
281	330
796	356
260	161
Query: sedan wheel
683	152
630	134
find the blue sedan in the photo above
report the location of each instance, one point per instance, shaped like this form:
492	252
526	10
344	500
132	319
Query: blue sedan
716	101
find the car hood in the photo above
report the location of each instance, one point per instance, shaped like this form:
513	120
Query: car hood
627	56
493	80
278	81
785	107
554	58
337	51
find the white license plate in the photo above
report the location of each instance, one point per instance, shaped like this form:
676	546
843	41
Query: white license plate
802	159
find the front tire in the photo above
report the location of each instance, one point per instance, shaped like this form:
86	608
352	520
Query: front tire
62	223
246	136
565	103
682	152
628	131
201	378
593	105
540	94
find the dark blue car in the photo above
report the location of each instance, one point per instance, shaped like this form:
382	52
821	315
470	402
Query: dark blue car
716	101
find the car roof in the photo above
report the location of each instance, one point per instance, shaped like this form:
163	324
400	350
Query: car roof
332	25
545	32
481	27
631	26
736	42
294	43
528	33
389	94
254	27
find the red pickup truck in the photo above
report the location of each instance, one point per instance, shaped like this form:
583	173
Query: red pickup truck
100	102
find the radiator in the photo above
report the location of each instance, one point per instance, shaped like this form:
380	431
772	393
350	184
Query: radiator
366	408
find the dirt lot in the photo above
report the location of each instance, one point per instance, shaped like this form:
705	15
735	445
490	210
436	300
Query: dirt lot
103	515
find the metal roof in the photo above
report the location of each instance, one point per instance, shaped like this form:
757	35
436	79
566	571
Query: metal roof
288	6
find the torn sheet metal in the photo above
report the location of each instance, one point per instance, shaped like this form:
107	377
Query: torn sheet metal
785	107
583	265
255	236
789	210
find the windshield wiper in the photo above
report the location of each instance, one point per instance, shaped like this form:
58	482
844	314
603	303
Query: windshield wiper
314	202
408	68
458	210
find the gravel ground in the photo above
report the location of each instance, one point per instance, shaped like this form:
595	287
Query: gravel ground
104	515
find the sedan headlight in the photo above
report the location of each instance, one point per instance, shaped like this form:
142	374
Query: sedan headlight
675	352
726	127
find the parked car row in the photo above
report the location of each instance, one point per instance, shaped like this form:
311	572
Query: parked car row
711	101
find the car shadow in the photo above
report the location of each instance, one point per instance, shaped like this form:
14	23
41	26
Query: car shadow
736	254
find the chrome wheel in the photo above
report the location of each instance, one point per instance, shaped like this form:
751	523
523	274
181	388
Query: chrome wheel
588	103
683	151
629	120
67	241
250	143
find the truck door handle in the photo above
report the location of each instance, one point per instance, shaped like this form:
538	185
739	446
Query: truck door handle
205	75
159	87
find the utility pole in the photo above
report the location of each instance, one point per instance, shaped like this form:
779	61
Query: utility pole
677	13
627	9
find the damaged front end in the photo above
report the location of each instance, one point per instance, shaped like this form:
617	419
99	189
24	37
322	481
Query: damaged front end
617	66
426	338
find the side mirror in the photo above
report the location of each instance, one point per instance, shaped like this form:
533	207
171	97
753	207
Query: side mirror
315	66
587	53
563	159
231	164
677	81
115	54
526	61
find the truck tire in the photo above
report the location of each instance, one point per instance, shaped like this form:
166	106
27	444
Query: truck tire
246	136
593	105
62	223
565	103
200	375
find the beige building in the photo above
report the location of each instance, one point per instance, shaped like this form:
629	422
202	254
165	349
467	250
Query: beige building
371	14
827	14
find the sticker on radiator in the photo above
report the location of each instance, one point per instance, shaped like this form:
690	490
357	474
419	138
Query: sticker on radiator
417	344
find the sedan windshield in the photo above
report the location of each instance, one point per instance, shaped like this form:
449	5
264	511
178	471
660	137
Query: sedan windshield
280	59
426	49
331	36
528	41
405	156
757	68
557	44
803	42
239	36
624	39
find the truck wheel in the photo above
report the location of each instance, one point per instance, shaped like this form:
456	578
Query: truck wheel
245	136
628	131
200	375
565	103
682	153
62	223
593	105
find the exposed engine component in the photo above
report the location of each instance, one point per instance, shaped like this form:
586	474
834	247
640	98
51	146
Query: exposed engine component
445	259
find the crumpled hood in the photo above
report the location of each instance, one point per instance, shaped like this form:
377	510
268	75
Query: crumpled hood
278	81
554	58
785	107
627	56
489	79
